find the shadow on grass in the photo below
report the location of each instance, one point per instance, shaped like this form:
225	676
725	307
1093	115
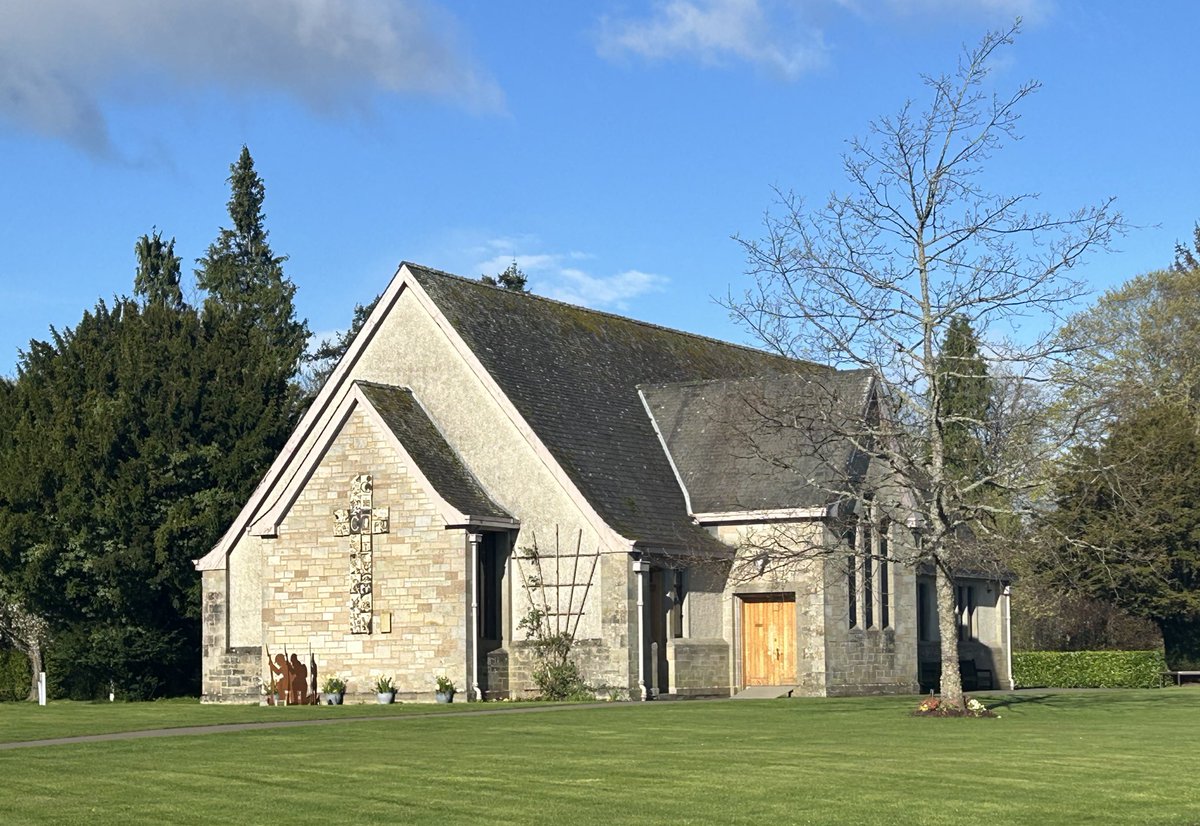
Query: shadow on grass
1079	699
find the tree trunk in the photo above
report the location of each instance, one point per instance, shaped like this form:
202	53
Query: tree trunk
34	652
951	688
1181	643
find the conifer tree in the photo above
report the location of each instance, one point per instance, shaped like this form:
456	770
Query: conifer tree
963	393
253	340
158	271
127	444
511	279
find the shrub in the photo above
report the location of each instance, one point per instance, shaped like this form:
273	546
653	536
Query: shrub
14	675
1088	669
137	663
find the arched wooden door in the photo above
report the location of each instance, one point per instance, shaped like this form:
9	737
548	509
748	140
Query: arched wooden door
768	639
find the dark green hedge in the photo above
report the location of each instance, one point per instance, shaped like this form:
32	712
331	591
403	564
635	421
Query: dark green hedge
1088	669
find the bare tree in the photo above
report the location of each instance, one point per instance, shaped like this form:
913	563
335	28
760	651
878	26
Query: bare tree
874	279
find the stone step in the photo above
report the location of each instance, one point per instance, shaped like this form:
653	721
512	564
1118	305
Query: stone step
765	692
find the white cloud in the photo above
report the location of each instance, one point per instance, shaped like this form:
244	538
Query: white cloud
603	292
713	31
1030	10
559	276
785	37
61	61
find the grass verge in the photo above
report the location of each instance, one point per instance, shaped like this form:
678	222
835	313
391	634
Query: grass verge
1114	757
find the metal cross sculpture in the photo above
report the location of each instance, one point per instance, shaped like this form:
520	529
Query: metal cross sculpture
359	522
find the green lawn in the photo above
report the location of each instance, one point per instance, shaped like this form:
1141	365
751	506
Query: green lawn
1111	757
25	721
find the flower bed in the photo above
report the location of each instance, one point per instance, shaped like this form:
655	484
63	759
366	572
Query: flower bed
934	707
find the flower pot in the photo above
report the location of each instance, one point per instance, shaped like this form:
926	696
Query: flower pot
331	698
386	697
444	696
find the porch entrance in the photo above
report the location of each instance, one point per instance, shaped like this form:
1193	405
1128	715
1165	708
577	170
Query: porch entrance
768	639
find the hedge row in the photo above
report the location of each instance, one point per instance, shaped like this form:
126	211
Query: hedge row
1088	669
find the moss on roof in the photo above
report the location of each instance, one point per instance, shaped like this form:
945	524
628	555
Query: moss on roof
437	461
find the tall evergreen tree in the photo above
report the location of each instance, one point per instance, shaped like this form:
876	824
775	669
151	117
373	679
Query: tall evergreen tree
126	445
158	271
253	340
244	279
963	393
1126	524
106	441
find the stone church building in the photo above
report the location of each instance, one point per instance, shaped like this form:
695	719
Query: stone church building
479	453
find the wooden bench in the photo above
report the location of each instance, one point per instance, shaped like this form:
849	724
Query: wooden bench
1181	675
972	676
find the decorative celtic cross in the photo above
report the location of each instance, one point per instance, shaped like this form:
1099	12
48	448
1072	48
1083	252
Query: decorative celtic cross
359	522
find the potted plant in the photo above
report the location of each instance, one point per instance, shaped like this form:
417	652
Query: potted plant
385	691
445	690
271	690
332	691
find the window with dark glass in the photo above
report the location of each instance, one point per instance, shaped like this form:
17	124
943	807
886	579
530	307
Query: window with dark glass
678	593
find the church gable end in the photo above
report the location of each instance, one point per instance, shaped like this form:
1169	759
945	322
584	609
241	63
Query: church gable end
417	573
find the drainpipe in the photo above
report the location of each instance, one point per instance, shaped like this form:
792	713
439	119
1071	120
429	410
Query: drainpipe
475	539
641	568
1007	594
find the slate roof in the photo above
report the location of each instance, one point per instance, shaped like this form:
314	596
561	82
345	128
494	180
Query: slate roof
761	443
573	373
437	460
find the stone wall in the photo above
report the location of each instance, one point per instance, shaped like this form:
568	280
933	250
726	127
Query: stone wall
419	576
699	667
230	674
873	659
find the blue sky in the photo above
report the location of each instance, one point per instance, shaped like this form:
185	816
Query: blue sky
612	148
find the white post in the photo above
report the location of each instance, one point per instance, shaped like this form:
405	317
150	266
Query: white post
475	539
641	568
1007	593
41	688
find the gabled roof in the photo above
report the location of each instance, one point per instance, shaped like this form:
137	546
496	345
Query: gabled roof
761	444
436	461
572	374
569	374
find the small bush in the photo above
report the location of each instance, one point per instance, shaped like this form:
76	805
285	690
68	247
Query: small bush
14	675
1088	669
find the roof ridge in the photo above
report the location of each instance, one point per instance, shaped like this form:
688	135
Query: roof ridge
605	313
369	383
757	377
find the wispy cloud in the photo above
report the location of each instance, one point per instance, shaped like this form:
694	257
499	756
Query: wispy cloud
561	275
715	31
784	37
1031	10
63	61
604	292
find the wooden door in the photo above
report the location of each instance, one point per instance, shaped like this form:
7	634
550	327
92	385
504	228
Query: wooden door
769	639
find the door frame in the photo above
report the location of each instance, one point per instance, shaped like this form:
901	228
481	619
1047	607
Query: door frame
788	597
